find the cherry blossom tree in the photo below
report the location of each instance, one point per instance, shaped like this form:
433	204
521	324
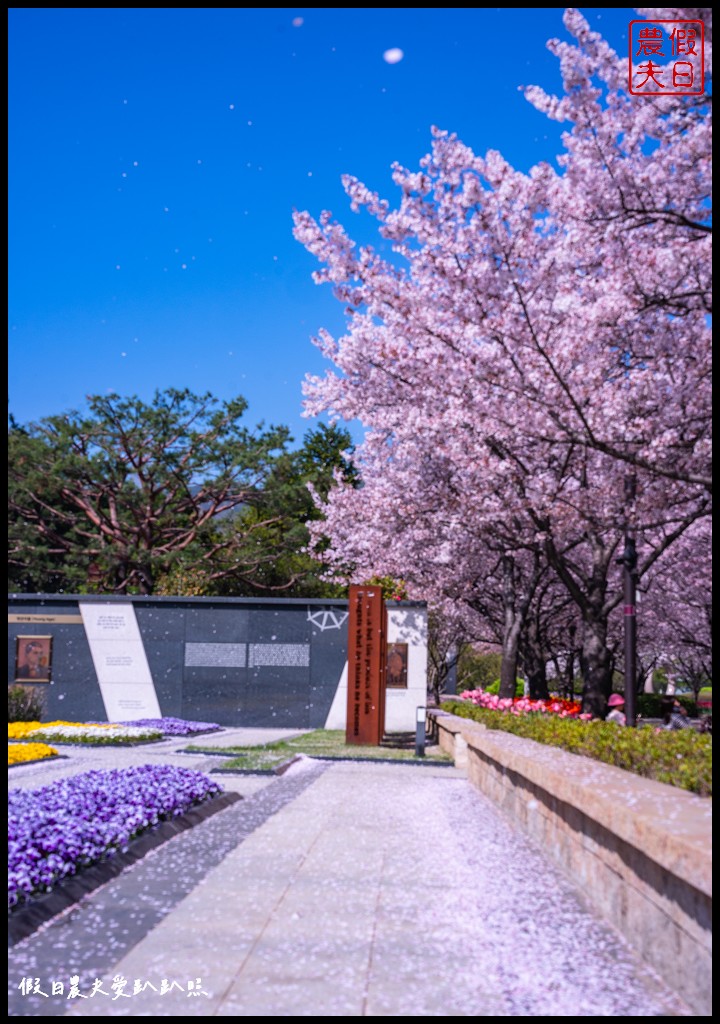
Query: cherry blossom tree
676	609
635	191
530	339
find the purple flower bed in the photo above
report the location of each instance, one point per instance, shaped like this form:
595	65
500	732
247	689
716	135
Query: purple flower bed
55	831
175	726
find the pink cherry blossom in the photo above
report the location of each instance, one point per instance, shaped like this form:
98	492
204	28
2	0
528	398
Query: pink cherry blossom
519	344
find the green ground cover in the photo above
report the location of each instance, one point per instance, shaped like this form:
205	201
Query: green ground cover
322	743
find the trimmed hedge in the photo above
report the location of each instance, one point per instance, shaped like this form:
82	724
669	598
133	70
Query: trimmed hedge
681	758
494	688
649	704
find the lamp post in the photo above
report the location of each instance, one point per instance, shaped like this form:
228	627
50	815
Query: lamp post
629	563
420	715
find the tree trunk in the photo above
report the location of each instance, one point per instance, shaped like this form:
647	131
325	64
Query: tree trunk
570	674
145	580
596	663
588	593
516	603
508	666
535	662
120	572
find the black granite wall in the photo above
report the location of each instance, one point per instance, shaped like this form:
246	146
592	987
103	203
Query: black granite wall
234	661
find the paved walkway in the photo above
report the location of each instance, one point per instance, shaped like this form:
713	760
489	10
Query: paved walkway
334	890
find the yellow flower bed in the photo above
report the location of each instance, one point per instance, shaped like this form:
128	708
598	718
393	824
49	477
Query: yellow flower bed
19	730
19	752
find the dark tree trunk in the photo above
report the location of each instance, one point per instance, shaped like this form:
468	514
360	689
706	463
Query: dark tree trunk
121	578
516	603
535	662
570	675
596	662
511	630
589	594
145	580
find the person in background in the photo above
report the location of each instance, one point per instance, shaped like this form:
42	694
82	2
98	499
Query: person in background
616	703
674	715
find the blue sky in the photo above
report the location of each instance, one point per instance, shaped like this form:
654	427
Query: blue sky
156	156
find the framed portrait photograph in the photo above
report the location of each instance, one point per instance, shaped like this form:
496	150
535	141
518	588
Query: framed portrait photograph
33	659
397	666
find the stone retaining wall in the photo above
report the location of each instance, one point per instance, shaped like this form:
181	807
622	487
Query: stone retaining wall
639	850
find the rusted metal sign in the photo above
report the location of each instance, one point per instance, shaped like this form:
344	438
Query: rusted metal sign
367	632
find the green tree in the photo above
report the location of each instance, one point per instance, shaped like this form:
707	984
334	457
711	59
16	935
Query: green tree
35	556
478	669
129	492
326	451
277	557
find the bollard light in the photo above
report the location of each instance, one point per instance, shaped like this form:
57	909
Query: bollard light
420	732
